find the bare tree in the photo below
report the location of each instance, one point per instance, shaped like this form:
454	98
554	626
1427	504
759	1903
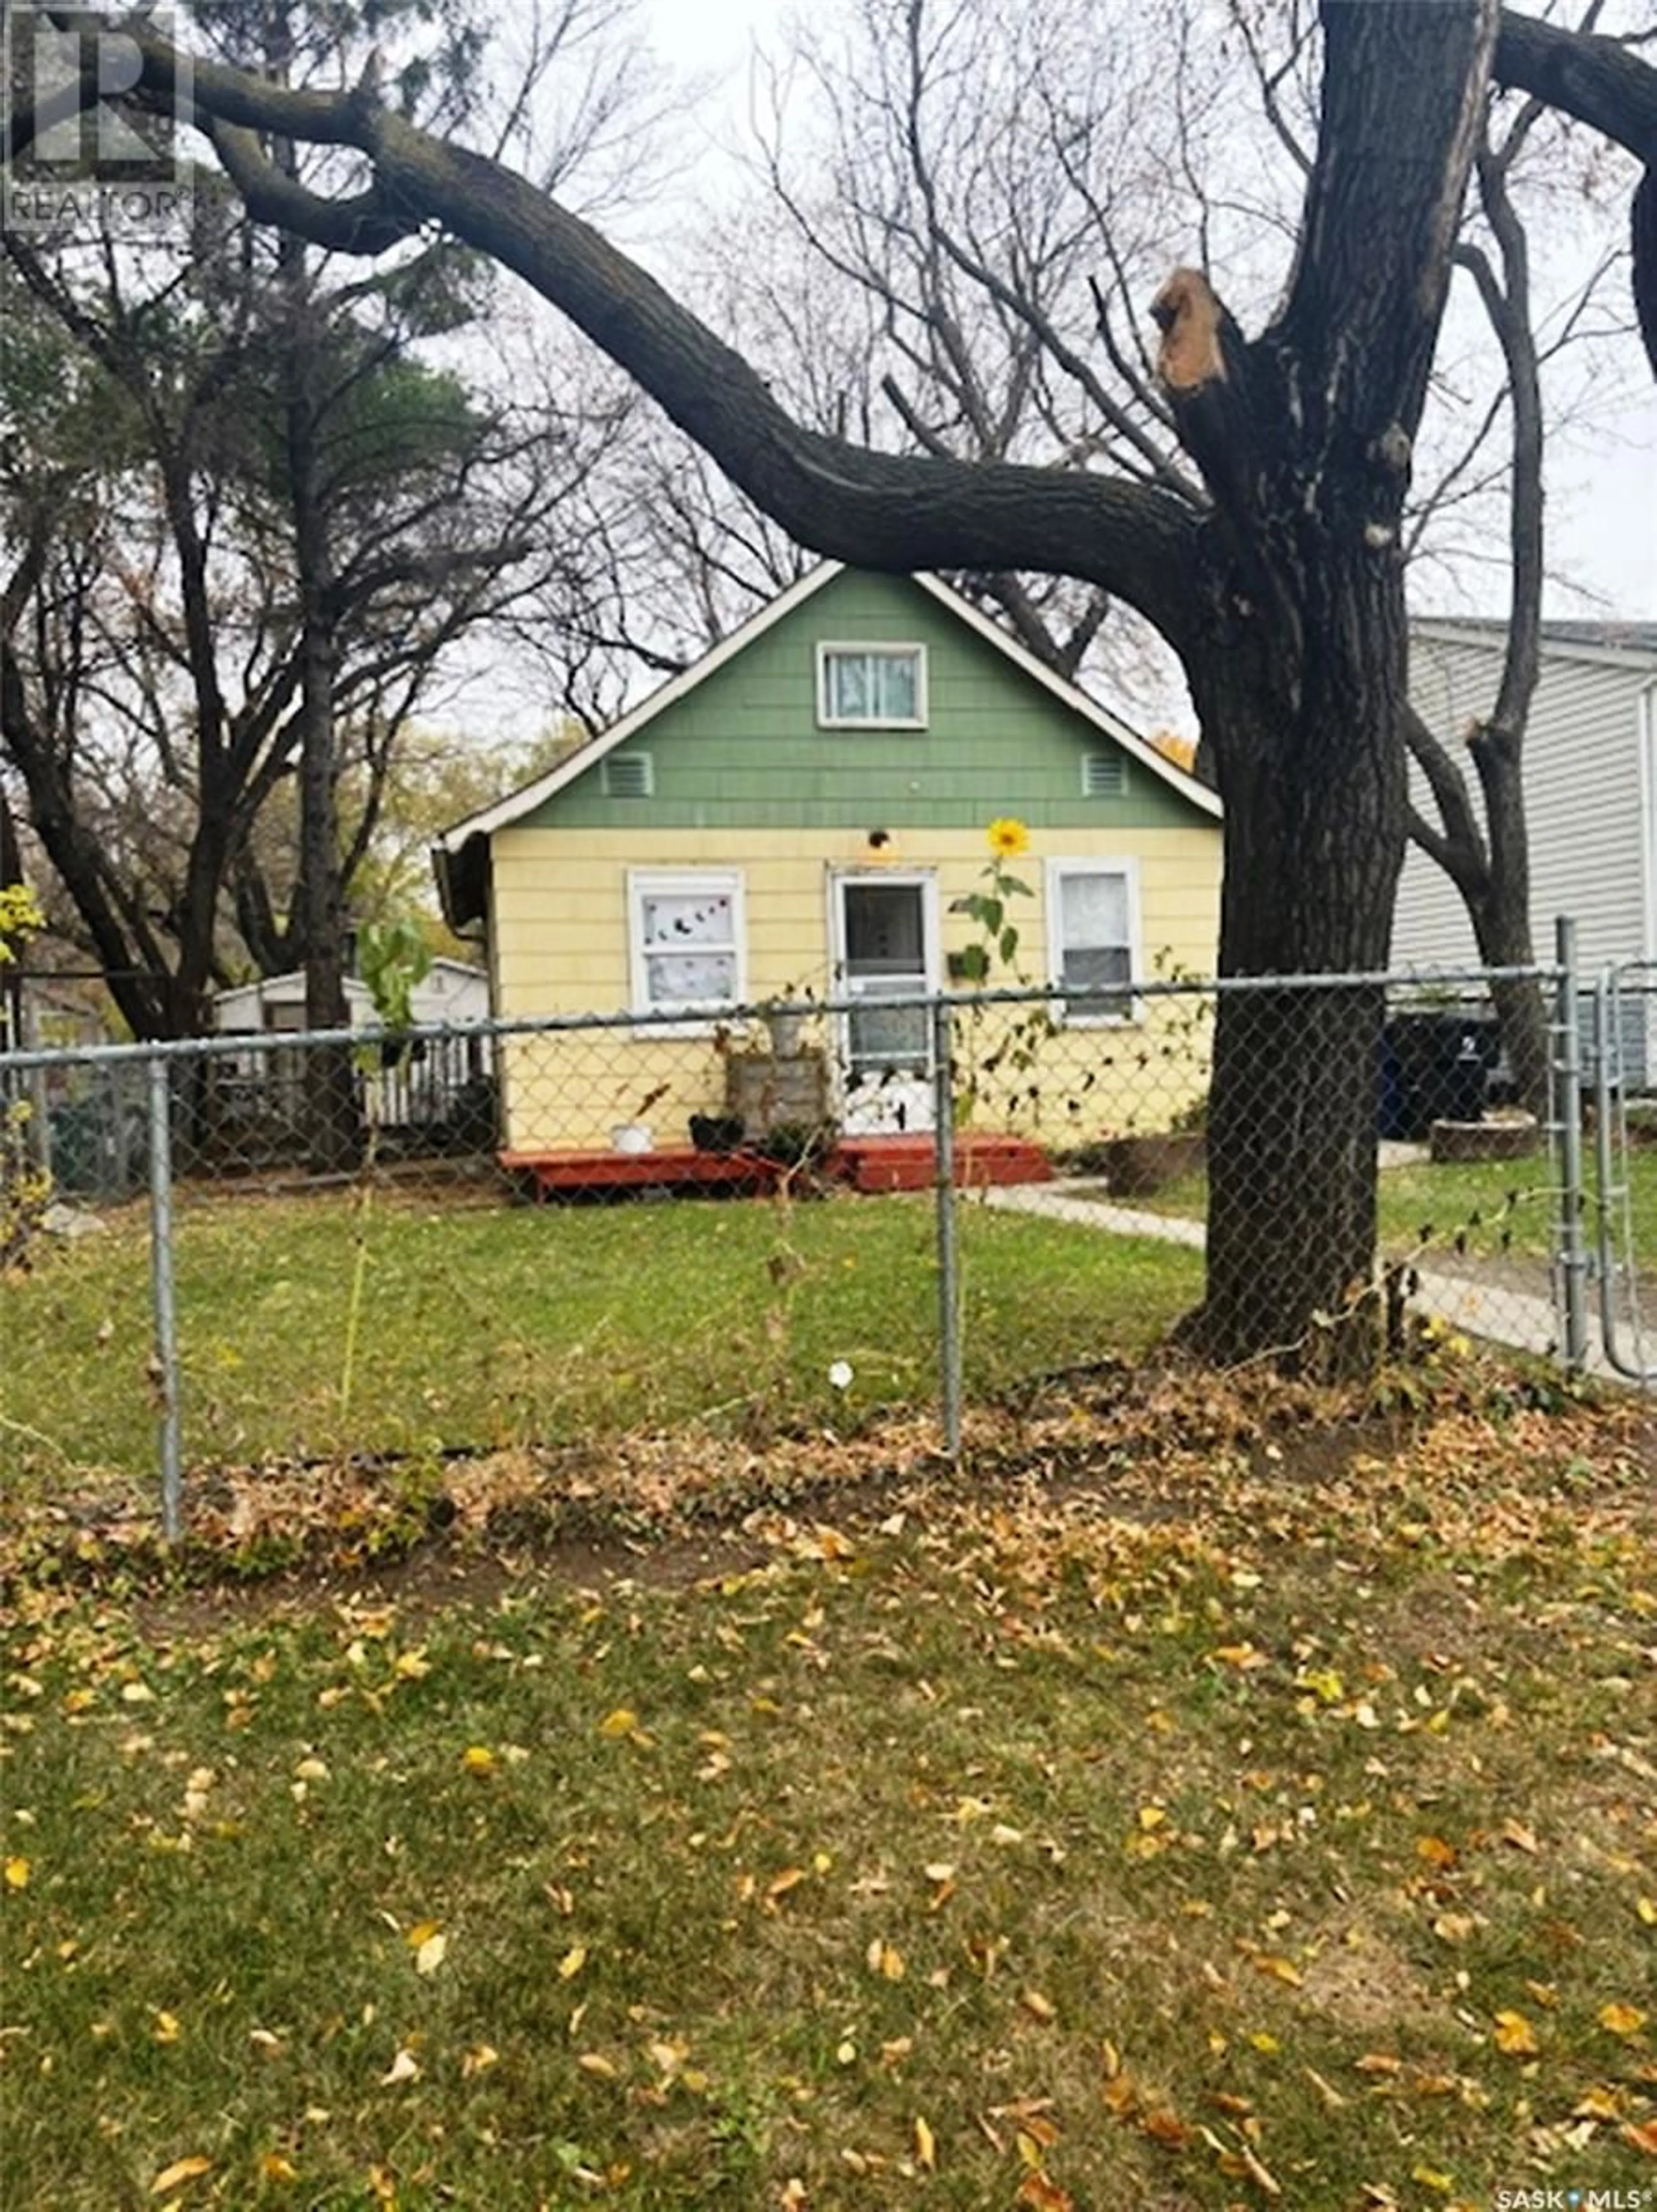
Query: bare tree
1282	594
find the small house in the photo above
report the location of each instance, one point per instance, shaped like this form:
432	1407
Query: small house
794	817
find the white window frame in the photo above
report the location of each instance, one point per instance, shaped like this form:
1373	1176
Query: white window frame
879	649
683	883
1058	869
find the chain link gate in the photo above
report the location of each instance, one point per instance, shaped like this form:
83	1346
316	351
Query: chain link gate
1623	1070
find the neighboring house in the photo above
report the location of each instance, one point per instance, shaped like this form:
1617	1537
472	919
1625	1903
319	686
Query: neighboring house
428	1084
1590	797
450	991
794	815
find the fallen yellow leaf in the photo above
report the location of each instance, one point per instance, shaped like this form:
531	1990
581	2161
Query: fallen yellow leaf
477	1759
17	1873
1515	2035
1622	2019
182	2169
926	2145
430	1955
572	1962
622	1722
274	2167
1280	1969
403	2068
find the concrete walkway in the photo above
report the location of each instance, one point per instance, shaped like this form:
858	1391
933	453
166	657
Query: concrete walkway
1525	1320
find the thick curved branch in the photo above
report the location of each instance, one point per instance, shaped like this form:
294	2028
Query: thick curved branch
1596	79
881	510
1602	83
361	223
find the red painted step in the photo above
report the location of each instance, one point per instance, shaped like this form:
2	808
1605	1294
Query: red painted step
910	1163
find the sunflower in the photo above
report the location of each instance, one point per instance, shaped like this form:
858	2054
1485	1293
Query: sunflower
1008	838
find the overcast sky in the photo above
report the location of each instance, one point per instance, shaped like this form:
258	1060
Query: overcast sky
1603	496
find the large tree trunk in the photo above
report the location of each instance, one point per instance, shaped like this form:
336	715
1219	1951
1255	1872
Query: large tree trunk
1298	718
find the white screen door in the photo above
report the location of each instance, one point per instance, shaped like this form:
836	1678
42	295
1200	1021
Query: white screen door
884	941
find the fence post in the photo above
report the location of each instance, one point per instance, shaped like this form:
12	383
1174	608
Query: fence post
164	1371
949	1257
1572	1255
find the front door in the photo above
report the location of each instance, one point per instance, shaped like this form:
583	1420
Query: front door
885	947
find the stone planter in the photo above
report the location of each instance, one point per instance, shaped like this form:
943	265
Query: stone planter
1453	1141
1133	1167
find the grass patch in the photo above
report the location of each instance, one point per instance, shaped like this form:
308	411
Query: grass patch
1216	1833
1494	1207
486	1326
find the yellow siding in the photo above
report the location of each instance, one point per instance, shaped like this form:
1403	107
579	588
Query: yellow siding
559	945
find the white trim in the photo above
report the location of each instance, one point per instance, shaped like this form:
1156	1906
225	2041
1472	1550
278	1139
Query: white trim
1055	870
1446	629
880	648
683	883
524	801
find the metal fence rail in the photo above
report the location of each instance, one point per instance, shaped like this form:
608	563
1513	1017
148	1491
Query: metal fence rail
515	1231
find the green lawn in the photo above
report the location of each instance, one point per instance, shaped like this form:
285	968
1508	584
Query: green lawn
1237	1840
483	1325
1492	1206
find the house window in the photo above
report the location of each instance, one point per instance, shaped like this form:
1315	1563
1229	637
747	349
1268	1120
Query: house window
1093	934
685	930
871	687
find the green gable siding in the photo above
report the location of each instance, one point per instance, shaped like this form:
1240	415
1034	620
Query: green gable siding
743	750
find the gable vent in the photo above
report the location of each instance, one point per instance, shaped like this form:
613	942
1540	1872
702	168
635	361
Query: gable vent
1104	775
628	776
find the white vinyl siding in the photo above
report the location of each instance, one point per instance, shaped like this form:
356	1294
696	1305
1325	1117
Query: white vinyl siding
685	939
1093	934
1582	799
871	687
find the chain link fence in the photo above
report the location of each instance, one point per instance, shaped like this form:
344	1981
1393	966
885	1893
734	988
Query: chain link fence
799	1216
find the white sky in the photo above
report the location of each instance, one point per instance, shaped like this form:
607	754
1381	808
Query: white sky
1602	493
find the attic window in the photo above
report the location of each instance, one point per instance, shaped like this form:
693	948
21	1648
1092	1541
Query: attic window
1104	775
871	687
628	776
